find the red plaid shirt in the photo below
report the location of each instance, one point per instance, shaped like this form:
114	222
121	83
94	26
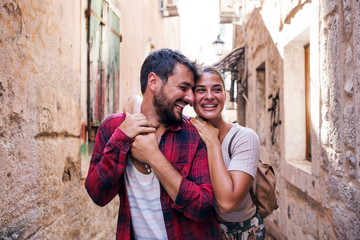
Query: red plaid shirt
191	215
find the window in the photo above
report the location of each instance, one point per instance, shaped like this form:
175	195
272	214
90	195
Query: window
100	82
103	65
296	98
307	101
300	98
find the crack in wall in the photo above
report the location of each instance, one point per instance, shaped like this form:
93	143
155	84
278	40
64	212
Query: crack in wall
55	135
292	13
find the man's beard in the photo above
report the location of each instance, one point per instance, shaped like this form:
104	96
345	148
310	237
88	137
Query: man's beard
164	109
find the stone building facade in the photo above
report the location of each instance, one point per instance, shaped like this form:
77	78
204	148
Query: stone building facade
44	105
303	99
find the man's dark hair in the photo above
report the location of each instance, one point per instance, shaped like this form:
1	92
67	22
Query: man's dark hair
162	62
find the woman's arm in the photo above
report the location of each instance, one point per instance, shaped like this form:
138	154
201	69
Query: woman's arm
230	188
133	104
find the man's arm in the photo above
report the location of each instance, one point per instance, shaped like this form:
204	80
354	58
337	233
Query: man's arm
108	160
192	195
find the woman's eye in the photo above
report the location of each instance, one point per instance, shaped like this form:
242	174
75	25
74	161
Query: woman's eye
200	90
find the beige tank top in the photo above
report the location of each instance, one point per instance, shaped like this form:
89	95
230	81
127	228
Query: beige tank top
245	149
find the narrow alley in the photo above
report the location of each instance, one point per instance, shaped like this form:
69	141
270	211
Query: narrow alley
292	74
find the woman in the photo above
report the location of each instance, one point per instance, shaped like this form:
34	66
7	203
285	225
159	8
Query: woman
231	177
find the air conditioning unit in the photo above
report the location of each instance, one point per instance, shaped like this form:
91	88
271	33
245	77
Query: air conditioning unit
168	8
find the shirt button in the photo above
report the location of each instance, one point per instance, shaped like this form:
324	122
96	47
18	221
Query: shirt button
127	144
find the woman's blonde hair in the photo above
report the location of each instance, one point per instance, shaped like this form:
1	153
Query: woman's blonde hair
213	70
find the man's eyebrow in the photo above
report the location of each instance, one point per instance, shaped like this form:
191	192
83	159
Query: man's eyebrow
187	84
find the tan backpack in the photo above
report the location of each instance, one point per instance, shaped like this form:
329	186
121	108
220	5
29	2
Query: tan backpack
264	196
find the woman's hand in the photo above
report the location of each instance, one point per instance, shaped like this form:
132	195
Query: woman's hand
206	130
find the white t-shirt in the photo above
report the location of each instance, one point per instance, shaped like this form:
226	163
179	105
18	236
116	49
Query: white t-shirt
245	150
145	207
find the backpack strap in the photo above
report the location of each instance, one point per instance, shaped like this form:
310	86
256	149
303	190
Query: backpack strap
231	140
252	194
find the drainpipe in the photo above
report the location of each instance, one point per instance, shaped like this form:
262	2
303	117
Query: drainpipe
88	13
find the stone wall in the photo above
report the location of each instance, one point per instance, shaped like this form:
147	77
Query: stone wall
340	118
318	199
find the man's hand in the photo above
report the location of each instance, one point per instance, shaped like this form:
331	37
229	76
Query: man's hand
135	124
145	147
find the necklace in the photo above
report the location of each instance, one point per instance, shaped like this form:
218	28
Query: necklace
148	168
138	163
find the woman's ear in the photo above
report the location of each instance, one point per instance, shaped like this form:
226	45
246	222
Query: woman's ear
154	82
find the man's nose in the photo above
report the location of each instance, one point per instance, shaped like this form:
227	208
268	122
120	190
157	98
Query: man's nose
189	97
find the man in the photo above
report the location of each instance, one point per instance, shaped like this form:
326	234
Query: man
155	160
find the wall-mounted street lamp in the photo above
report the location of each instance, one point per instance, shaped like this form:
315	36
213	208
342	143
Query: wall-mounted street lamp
218	46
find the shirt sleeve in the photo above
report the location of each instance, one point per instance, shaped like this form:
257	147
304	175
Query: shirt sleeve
108	163
195	197
246	152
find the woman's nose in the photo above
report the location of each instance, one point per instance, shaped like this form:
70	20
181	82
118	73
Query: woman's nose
209	95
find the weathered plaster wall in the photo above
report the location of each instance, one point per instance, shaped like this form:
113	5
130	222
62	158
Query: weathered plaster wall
41	193
318	199
42	74
143	30
40	113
